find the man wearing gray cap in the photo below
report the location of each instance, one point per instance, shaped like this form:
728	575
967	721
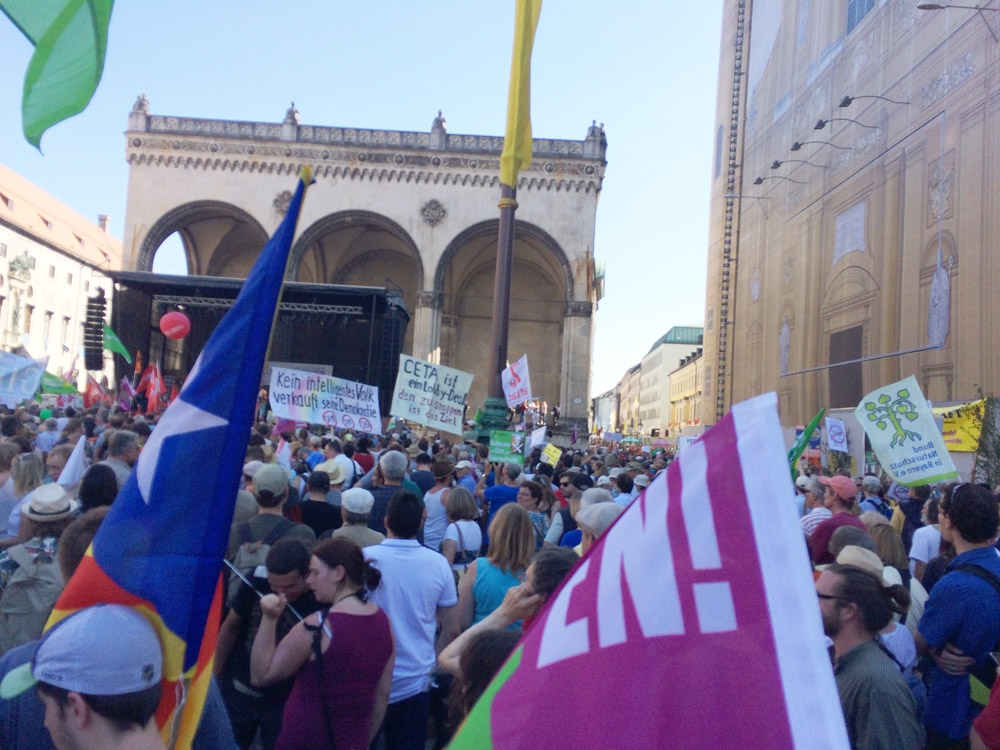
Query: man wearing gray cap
355	509
870	486
96	697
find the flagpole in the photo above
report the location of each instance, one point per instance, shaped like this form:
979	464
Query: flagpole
495	408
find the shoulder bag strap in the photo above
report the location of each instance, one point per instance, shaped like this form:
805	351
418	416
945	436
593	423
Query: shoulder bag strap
278	531
461	544
317	649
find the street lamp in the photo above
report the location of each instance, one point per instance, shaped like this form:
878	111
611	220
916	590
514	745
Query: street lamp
820	124
978	8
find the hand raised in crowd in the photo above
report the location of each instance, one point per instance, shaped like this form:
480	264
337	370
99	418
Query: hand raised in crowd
273	605
520	602
951	660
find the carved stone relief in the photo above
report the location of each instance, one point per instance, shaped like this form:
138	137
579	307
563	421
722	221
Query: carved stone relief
956	74
433	212
940	189
281	202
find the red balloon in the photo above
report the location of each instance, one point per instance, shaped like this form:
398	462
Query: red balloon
175	325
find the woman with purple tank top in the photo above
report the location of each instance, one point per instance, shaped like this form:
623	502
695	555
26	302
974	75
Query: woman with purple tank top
341	656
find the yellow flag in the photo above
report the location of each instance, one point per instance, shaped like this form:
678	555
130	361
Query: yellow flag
517	140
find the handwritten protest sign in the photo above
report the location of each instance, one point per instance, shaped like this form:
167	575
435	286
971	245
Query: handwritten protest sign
507	447
551	454
20	376
321	399
516	382
901	429
836	435
430	394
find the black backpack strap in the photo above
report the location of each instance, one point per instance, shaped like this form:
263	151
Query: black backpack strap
278	531
982	573
317	649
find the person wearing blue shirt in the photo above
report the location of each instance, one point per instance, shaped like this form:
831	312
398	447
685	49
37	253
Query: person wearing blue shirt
500	494
961	620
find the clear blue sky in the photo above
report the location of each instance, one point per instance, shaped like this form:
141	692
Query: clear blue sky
647	69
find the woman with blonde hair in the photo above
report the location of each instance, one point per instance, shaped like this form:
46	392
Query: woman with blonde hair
512	543
28	474
463	537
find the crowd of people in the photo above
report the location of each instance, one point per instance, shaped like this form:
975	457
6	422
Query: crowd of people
376	585
909	593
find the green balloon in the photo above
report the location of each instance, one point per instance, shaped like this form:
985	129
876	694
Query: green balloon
45	413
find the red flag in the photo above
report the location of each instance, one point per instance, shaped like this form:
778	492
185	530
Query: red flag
146	379
138	362
173	393
155	389
93	395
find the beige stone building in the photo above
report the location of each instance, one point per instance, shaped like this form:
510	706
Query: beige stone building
406	210
51	260
655	381
686	405
854	204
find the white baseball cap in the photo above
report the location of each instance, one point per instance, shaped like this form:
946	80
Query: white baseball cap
108	649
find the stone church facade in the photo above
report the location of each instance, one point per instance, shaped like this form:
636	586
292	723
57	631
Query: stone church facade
855	196
411	211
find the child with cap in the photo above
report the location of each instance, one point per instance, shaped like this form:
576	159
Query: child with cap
96	696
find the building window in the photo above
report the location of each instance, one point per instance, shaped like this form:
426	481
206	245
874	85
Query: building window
46	222
856	10
846	386
52	272
7	202
69	278
86	286
65	332
718	152
48	326
3	249
29	310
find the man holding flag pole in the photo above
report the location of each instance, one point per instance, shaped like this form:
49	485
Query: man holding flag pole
160	549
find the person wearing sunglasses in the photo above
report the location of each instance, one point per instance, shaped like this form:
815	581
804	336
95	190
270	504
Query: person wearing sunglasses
879	708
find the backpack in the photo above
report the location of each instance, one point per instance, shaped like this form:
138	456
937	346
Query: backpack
250	554
29	597
982	675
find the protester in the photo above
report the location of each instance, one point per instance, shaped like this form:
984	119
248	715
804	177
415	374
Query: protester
495	497
926	539
879	709
99	487
254	709
96	698
55	461
838	498
417	592
463	537
316	512
355	510
870	500
8	497
906	517
435	500
28	473
511	546
30	581
123	452
531	496
423	476
392	468
564	521
466	475
961	620
594	520
338	699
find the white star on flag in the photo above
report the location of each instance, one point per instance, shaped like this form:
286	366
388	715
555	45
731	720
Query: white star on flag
179	419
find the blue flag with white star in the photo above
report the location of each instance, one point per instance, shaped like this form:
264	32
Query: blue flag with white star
161	547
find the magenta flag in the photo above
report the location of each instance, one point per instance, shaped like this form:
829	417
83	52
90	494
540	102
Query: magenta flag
692	623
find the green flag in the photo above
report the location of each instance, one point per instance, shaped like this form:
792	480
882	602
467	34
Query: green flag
54	384
70	39
802	441
114	344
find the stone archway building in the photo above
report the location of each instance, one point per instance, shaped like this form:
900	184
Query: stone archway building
415	212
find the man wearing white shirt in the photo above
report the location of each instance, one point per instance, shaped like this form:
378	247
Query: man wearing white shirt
417	592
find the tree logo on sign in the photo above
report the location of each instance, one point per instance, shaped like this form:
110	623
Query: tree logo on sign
891	412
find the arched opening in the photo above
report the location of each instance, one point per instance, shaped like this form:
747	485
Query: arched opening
360	248
541	285
217	239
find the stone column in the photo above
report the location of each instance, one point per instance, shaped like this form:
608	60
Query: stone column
574	386
426	324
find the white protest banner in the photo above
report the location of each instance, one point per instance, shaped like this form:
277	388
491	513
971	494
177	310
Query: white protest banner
702	567
20	376
836	435
321	399
431	395
538	437
516	382
900	426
